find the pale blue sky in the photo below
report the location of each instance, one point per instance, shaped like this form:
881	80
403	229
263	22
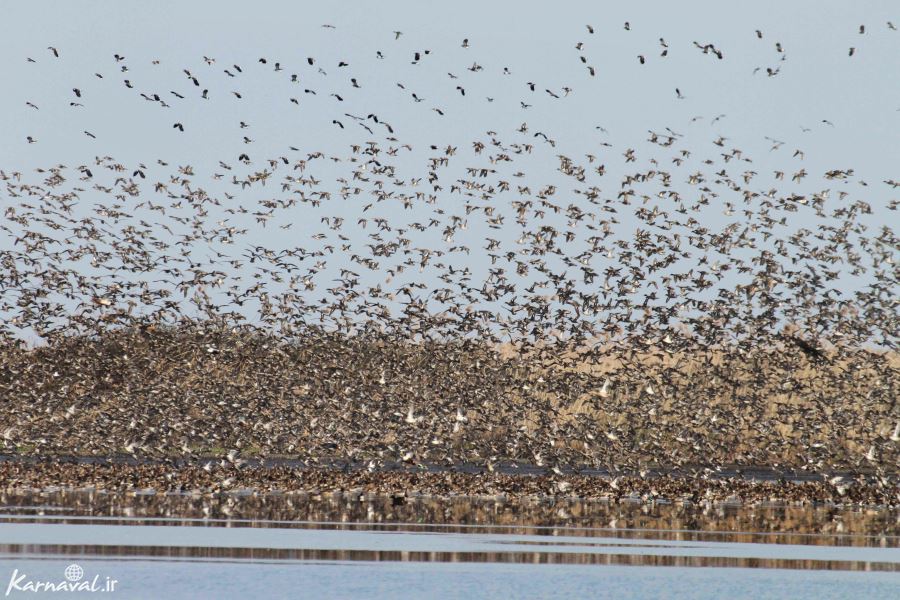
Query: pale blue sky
859	94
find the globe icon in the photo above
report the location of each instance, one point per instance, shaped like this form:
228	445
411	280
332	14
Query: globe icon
74	573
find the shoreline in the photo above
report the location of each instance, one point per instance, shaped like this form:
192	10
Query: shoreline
502	467
17	476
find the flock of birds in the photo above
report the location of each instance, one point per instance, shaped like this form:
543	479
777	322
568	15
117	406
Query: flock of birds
691	253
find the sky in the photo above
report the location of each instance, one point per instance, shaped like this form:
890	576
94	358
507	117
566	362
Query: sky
859	94
839	111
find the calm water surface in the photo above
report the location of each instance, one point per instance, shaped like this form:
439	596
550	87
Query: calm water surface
337	547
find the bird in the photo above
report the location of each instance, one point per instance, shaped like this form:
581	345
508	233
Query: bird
495	294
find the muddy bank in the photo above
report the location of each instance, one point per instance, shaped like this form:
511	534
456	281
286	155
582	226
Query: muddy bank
198	391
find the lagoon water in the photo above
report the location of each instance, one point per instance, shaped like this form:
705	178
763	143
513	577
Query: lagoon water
153	554
192	579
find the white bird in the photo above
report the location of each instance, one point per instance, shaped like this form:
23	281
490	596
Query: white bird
460	419
411	418
870	455
604	391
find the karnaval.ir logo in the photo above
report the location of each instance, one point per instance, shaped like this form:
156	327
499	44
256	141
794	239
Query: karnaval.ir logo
73	581
74	573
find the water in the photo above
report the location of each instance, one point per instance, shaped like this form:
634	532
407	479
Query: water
338	546
194	579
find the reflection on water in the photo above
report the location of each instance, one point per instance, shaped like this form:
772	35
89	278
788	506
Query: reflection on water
282	554
353	526
781	524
